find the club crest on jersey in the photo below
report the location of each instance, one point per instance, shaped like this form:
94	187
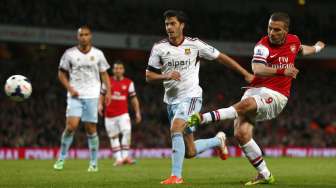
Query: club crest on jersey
187	51
92	58
123	87
293	48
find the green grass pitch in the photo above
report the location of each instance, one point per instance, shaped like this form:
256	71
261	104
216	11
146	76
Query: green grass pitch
289	172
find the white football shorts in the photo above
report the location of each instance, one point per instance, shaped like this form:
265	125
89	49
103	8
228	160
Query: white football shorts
270	103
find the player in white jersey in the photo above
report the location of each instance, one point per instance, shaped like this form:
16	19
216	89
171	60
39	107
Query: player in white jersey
81	70
175	61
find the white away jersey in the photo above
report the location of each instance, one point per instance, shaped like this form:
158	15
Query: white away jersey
184	58
84	70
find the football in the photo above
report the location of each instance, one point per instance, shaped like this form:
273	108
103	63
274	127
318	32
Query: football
18	88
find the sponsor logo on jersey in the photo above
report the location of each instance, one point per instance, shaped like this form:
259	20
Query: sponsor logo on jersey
187	51
176	64
283	59
281	66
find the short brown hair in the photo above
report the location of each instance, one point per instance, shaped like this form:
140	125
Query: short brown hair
281	16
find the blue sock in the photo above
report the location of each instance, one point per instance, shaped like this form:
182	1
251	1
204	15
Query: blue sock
205	144
93	141
66	141
178	152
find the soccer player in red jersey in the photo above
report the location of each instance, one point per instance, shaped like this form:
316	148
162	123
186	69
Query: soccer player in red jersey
117	119
267	95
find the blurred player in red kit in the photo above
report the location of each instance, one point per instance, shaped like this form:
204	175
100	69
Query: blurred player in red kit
117	119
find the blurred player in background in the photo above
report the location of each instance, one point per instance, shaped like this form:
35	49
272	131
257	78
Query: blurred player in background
117	119
80	71
176	62
267	95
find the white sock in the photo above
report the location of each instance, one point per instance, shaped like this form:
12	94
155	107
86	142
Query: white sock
117	155
115	144
124	153
220	114
254	155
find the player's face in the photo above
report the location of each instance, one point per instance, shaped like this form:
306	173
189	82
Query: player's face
174	28
277	31
84	36
118	70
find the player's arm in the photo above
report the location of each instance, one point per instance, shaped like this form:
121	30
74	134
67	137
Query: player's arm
64	79
259	63
136	107
155	76
106	81
260	69
101	103
309	50
153	70
232	64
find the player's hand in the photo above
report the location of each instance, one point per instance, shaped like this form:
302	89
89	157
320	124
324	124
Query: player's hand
108	98
73	92
291	72
100	109
320	44
173	75
249	78
138	118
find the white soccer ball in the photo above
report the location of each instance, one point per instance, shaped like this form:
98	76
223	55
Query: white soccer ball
18	88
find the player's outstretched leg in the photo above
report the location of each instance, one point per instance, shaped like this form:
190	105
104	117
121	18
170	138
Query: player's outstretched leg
197	118
243	133
218	142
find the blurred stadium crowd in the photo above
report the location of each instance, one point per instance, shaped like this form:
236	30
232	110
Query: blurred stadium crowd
308	120
247	24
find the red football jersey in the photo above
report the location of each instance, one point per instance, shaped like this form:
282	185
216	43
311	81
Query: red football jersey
120	91
276	56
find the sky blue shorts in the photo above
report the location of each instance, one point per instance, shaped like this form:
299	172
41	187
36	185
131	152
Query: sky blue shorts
184	109
86	109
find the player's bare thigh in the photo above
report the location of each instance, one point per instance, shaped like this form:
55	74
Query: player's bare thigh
246	107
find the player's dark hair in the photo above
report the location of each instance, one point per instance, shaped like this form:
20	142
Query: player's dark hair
281	16
118	62
85	27
180	15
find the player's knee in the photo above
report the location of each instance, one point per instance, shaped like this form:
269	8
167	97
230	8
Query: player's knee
91	129
242	135
176	128
70	128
